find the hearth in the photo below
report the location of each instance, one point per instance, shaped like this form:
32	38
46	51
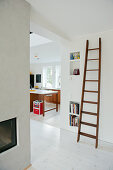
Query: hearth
8	134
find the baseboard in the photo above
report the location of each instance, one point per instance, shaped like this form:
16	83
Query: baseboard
28	167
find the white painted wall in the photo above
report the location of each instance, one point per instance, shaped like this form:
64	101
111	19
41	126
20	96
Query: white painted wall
14	76
38	69
71	89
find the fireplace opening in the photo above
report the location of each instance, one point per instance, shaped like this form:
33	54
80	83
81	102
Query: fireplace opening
8	134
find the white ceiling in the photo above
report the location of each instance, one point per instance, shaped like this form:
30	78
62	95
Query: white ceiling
36	40
47	53
71	18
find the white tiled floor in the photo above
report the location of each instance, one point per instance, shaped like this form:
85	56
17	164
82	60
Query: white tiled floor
51	118
55	149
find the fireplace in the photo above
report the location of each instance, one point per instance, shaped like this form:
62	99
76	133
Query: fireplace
8	134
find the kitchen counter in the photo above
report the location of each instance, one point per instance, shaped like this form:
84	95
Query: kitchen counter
36	94
38	91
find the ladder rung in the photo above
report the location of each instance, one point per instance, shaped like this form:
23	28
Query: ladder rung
90	102
89	124
88	135
93	49
89	91
89	113
93	70
92	80
93	59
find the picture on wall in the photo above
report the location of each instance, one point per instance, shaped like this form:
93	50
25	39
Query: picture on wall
74	55
38	78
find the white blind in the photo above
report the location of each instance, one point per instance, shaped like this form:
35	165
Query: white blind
52	76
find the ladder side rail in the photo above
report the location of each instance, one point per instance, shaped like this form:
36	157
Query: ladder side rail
81	108
98	106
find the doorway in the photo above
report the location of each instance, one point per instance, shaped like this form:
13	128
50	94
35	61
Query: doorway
45	75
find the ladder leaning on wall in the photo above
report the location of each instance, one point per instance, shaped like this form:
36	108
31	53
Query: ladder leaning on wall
90	91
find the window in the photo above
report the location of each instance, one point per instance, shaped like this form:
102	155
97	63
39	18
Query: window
52	76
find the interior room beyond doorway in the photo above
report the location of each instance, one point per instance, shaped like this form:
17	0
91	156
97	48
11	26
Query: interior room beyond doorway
45	79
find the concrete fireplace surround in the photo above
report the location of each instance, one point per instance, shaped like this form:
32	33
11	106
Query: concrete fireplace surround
14	79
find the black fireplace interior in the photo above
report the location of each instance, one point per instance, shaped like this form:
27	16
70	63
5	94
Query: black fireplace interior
8	134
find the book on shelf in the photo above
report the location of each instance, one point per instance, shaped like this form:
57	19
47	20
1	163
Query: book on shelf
74	108
74	120
77	121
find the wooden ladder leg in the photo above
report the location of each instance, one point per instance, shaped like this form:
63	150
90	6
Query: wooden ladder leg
98	105
83	87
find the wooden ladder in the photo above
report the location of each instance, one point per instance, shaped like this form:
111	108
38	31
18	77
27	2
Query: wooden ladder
90	91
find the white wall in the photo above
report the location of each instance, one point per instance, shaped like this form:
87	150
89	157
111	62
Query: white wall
14	79
71	89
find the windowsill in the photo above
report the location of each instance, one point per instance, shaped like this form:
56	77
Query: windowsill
52	88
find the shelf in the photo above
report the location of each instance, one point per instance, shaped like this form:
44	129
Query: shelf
74	117
76	60
74	63
75	75
74	114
